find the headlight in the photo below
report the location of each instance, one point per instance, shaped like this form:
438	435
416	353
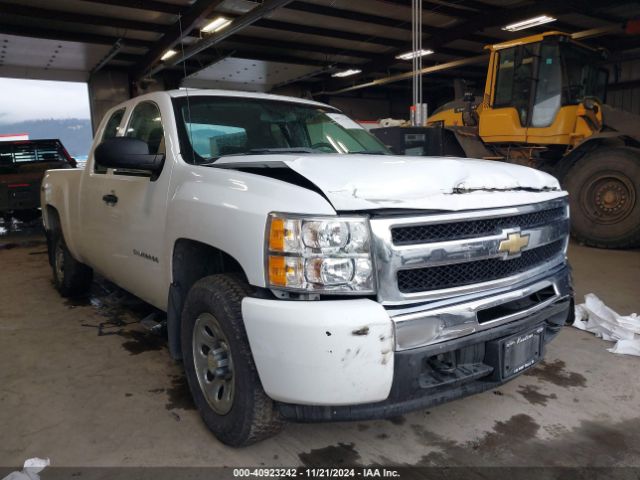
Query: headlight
319	254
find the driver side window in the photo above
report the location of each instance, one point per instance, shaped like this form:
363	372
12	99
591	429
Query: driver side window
110	131
146	125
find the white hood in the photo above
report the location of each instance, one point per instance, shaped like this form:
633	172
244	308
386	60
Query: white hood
366	182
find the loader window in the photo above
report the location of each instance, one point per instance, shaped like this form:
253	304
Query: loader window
582	77
549	89
513	80
504	79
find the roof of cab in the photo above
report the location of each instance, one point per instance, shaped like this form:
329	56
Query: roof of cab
538	37
183	92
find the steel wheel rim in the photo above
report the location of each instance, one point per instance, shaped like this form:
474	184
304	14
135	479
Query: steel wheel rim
213	363
608	198
59	262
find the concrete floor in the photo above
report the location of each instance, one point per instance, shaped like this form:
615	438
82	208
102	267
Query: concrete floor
83	384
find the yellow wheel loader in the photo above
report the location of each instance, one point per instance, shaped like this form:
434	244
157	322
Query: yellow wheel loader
543	106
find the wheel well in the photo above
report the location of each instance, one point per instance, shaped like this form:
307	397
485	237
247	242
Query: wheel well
52	218
191	261
53	225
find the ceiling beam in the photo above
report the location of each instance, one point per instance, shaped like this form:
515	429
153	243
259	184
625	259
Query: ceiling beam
82	19
149	5
202	61
451	10
238	24
270	57
594	10
68	36
407	75
334	12
251	41
196	13
113	51
328	32
351	15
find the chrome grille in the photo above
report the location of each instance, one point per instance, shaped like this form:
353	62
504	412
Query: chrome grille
473	228
434	256
448	276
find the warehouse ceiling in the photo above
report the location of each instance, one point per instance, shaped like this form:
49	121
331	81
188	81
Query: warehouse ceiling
286	42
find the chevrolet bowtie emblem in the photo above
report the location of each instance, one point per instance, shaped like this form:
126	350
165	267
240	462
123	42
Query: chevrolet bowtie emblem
513	244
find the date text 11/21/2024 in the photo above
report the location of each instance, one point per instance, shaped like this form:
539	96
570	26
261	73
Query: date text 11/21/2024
317	472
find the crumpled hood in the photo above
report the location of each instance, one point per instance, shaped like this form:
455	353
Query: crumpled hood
366	182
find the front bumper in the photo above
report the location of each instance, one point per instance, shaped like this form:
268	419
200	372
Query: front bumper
340	360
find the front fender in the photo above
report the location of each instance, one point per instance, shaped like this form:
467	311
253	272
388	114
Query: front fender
228	210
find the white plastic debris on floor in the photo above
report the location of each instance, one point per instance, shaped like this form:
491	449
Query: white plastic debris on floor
32	467
595	317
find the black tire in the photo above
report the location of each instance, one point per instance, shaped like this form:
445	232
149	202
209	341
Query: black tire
72	278
251	414
604	195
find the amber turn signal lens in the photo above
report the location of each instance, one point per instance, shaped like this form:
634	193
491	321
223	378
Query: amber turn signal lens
277	271
276	235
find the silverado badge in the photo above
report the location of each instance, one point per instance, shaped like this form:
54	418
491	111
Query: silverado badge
514	244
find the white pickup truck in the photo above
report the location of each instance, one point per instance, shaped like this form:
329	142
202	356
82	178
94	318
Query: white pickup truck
306	273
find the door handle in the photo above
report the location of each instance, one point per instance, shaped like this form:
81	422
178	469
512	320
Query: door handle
110	199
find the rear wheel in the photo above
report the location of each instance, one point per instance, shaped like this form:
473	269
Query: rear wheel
219	365
71	277
604	194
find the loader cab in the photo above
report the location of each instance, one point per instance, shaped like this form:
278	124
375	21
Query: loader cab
543	89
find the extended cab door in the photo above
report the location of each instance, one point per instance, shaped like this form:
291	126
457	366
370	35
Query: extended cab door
127	212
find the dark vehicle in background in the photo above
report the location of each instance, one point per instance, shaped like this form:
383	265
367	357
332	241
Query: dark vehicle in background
23	164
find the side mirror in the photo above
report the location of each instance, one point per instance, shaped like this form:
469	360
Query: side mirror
128	153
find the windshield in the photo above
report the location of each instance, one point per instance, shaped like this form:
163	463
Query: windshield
212	127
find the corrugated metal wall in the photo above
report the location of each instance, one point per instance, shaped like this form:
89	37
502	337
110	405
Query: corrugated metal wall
624	86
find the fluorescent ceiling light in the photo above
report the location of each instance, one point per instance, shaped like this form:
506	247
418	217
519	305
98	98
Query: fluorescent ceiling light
167	55
216	25
531	22
347	73
414	54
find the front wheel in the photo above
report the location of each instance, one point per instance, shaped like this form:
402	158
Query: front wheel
604	195
219	366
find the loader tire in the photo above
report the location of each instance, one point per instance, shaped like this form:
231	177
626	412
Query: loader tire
604	196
